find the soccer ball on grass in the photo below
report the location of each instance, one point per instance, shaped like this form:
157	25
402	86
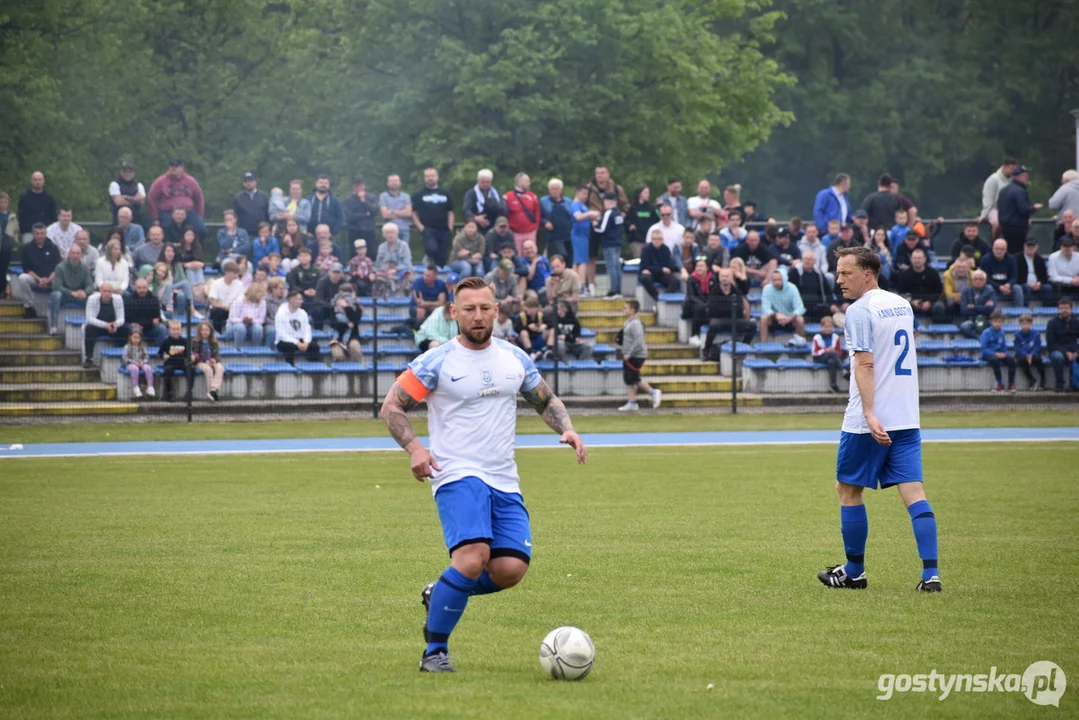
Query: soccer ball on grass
567	653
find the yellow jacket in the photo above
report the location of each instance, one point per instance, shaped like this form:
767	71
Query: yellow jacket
950	293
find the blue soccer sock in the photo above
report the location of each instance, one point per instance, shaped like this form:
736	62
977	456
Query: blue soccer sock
925	534
448	600
855	526
485	585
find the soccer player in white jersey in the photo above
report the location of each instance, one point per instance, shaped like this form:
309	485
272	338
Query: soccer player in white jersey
471	385
881	444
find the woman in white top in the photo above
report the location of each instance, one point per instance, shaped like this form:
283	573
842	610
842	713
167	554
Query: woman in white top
112	268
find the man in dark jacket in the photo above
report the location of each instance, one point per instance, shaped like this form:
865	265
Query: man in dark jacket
251	205
1033	275
327	287
922	286
658	267
39	259
36	206
483	203
1003	273
880	206
142	308
1014	210
725	302
1062	341
325	208
361	209
969	236
816	290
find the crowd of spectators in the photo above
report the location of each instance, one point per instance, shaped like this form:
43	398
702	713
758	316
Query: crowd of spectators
290	262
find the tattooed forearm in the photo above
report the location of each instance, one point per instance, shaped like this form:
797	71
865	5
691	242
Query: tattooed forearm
549	407
394	409
557	417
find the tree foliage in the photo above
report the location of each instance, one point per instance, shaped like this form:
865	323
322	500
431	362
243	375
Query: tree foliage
776	94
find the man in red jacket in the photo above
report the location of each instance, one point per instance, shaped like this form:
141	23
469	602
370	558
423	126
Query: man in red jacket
176	189
522	211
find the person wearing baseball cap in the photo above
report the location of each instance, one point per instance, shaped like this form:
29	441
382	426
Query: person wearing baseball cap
251	205
328	286
361	268
126	192
1014	209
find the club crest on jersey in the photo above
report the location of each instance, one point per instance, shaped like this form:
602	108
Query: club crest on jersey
487	377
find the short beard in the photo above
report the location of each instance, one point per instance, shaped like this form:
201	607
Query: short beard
484	335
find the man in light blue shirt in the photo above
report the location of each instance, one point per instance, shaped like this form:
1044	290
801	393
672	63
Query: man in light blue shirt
134	236
396	206
782	307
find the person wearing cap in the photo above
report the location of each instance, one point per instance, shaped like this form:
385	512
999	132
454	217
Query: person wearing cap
393	264
503	282
610	230
483	203
432	214
361	209
496	238
1033	274
328	286
861	227
125	191
176	189
361	269
991	192
466	257
1063	265
251	205
1015	210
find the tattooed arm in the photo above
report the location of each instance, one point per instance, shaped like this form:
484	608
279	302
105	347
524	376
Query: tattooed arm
394	413
554	413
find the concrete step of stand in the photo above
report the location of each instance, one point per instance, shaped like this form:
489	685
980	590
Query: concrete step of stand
46	409
45	358
40	392
51	374
30	341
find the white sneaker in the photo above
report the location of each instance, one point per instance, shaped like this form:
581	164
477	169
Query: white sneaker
585	292
136	392
796	341
657	397
197	317
629	407
694	340
150	392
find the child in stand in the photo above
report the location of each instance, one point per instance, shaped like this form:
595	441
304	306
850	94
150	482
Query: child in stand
137	361
175	351
361	269
828	350
995	351
504	324
634	351
347	313
1028	349
205	357
274	268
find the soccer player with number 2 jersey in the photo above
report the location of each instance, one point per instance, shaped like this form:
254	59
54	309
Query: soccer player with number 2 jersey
881	443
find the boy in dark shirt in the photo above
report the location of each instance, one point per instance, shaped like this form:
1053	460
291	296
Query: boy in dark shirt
175	349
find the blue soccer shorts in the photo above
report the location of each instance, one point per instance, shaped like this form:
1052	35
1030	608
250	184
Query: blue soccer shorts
863	461
472	511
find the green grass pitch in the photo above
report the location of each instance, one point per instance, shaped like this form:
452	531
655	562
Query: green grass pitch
288	587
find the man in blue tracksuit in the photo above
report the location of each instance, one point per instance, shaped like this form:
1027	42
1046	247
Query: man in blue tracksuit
833	203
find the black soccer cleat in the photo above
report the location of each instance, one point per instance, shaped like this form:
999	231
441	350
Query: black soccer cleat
436	662
930	585
836	577
425	598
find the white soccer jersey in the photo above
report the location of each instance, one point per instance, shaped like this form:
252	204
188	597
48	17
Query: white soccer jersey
882	323
472	409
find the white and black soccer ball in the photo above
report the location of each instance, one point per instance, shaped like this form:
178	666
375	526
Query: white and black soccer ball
567	653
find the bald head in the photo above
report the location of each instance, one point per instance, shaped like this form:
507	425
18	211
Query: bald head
1000	249
74	255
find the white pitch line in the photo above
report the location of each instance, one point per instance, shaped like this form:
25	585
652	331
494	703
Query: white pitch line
300	451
